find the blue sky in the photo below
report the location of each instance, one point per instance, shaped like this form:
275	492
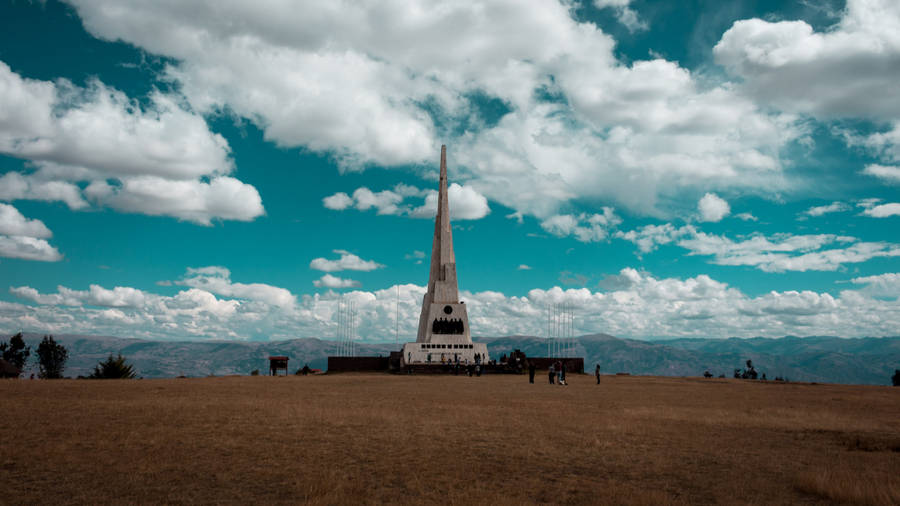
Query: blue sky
200	170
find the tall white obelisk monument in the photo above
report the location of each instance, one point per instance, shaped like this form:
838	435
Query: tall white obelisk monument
444	323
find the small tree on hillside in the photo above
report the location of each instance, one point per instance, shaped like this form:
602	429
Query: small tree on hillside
751	371
51	358
15	352
113	368
748	373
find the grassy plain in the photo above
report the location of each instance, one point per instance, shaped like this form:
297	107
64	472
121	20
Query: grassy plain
367	438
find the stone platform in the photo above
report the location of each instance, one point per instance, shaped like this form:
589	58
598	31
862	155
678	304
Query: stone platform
358	364
432	353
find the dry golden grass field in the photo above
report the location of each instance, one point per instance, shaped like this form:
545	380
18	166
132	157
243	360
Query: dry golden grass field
375	438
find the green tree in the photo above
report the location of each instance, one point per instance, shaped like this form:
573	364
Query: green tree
15	352
52	358
113	368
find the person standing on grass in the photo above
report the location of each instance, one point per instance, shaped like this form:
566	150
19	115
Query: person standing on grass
531	372
552	374
562	373
559	376
597	373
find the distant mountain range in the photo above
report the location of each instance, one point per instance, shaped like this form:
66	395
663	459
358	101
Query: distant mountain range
819	359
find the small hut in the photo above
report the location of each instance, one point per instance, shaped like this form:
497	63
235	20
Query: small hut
277	363
7	370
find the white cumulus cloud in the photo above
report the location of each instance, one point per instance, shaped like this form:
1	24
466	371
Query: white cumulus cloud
162	158
887	284
888	173
624	13
713	208
63	297
883	210
329	281
834	207
24	238
16	186
584	227
338	202
28	248
217	280
777	253
636	304
847	70
649	237
286	70
347	262
13	223
466	203
197	201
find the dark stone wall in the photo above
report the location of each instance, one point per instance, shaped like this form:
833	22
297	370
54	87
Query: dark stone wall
370	364
357	364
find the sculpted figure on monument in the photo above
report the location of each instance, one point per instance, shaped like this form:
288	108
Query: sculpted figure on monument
445	326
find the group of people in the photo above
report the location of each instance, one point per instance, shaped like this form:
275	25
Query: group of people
446	360
557	373
469	369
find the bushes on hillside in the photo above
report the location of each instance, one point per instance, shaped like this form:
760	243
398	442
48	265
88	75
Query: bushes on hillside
15	352
113	368
748	373
51	358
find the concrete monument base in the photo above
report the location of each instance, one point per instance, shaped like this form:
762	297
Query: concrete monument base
442	352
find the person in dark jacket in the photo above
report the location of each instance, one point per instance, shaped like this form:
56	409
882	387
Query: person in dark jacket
597	373
531	373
